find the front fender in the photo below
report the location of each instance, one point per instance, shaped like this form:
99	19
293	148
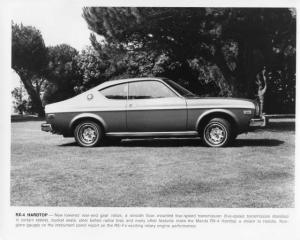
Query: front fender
216	111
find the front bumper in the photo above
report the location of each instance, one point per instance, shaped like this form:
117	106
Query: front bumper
46	127
258	122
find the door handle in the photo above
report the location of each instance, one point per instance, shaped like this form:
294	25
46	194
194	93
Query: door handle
130	105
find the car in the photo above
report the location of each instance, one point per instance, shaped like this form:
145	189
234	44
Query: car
150	107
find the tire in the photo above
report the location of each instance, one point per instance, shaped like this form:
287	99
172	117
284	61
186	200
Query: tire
217	133
88	134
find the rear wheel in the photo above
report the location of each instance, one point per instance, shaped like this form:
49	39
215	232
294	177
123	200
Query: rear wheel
217	133
88	134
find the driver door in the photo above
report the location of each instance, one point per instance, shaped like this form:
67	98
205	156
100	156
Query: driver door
154	107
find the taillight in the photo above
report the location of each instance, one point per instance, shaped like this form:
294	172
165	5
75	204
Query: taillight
49	117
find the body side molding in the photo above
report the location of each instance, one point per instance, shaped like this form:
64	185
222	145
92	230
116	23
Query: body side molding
151	134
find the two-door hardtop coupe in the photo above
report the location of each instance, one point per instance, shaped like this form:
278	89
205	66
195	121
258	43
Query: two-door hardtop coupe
150	107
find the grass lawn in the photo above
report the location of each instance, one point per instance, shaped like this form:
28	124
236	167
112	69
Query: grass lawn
257	171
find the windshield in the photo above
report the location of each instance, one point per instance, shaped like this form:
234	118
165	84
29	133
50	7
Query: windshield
181	90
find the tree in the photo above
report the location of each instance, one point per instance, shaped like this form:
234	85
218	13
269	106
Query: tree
61	73
107	61
29	59
235	43
21	105
91	68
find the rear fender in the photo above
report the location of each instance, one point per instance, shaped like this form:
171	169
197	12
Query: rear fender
90	116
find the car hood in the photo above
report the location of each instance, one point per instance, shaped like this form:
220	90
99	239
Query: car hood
220	102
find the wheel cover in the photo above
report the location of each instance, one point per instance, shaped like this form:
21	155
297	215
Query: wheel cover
215	134
88	134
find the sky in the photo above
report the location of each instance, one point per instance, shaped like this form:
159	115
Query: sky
58	24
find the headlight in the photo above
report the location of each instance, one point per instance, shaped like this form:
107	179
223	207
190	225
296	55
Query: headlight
257	110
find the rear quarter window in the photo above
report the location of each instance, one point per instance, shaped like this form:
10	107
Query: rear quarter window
117	92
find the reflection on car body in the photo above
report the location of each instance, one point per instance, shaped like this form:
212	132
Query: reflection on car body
150	107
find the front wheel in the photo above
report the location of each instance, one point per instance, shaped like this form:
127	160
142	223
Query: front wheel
217	133
88	134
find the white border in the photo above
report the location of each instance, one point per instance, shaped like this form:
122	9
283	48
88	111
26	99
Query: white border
289	231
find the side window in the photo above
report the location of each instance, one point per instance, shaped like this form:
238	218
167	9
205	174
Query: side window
149	89
115	92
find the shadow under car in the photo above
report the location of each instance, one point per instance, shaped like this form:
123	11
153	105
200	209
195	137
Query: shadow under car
184	142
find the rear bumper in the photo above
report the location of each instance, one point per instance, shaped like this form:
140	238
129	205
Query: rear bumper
46	127
258	122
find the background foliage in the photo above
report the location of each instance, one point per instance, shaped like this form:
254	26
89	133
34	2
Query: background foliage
29	60
211	51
